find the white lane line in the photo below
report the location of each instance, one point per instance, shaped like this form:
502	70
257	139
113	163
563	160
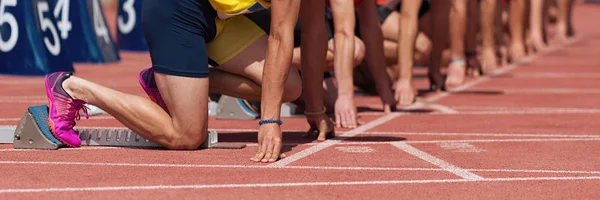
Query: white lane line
159	165
527	112
441	163
331	142
548	91
562	138
541	135
436	161
289	184
381	120
449	141
443	109
555	75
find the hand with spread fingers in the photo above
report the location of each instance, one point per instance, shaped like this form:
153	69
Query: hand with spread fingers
345	113
269	144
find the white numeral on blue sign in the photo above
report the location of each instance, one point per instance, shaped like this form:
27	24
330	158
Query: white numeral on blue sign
61	13
6	17
127	27
99	26
46	24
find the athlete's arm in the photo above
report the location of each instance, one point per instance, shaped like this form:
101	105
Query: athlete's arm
284	14
313	50
409	20
370	31
344	25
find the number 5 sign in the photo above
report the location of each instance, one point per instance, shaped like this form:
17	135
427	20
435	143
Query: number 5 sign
30	43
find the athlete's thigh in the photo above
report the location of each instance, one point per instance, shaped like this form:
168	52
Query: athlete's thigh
249	62
390	26
176	33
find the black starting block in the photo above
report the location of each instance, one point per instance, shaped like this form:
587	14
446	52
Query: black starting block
237	109
33	132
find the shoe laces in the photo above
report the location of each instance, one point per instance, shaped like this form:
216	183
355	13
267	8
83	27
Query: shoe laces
69	109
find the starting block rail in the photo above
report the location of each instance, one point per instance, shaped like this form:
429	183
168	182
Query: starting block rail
33	132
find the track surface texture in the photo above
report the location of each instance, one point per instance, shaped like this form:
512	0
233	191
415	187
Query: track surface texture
529	131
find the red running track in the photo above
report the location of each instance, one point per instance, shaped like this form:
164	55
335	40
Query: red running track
528	132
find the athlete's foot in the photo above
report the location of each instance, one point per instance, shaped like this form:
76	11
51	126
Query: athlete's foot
561	35
436	82
517	52
146	79
529	50
570	31
503	55
474	67
538	44
64	110
490	60
456	73
405	93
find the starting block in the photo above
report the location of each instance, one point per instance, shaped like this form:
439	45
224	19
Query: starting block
33	132
234	108
231	108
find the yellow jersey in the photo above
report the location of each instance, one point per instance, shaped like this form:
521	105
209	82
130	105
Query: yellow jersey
229	8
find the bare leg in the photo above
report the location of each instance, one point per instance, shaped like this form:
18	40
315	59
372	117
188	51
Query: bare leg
359	53
517	29
405	91
473	65
186	128
562	20
313	66
439	24
458	26
537	25
390	44
501	32
570	30
488	26
242	76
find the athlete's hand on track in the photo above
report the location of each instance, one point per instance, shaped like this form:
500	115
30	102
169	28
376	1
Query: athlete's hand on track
269	144
345	113
321	126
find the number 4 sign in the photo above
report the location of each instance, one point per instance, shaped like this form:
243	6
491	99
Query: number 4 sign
82	26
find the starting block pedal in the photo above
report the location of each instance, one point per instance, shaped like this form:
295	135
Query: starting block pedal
231	108
33	132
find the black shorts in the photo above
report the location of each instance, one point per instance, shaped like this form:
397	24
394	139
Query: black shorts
177	32
185	36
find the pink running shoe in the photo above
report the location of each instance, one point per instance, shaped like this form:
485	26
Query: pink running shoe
148	83
64	110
